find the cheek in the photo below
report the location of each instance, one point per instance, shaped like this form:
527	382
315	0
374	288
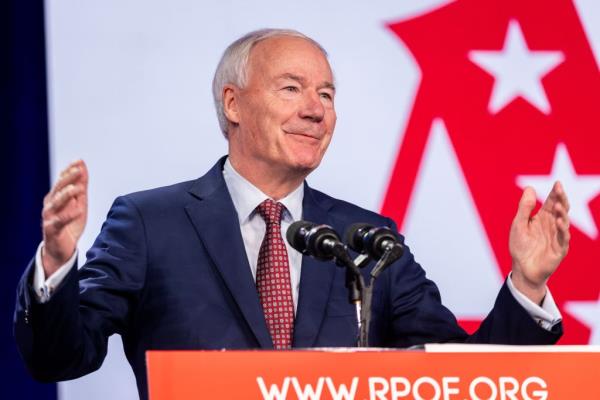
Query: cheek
330	125
332	117
274	112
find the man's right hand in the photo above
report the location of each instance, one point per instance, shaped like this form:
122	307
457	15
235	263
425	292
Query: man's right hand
64	216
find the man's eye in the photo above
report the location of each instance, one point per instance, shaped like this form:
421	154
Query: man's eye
292	89
325	95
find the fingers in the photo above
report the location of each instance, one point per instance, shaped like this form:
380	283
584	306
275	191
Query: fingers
60	199
562	195
75	164
556	195
67	200
562	224
526	205
564	235
58	221
84	171
75	173
558	204
561	213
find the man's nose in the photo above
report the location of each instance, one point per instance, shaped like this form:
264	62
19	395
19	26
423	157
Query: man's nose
312	107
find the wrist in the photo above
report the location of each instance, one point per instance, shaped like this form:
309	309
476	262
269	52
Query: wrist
51	263
533	290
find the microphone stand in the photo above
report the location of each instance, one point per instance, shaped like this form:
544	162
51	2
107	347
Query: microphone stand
354	294
355	284
322	242
391	254
359	293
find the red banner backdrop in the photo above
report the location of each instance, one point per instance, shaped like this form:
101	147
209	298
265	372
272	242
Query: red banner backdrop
513	93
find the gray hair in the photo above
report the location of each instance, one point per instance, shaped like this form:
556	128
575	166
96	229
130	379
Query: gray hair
233	67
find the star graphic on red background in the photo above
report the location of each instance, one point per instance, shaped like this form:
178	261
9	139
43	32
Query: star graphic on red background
515	88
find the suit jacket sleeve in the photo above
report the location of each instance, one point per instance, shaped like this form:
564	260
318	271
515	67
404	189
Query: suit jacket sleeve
415	314
67	337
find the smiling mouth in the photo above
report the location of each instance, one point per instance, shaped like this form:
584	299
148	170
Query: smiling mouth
303	135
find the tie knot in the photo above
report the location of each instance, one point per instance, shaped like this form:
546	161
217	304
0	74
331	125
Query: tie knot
271	211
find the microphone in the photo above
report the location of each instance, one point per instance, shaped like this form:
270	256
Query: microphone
374	241
318	241
323	243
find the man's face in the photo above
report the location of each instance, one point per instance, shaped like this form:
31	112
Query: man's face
285	114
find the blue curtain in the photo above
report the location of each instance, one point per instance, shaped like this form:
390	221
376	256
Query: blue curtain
24	169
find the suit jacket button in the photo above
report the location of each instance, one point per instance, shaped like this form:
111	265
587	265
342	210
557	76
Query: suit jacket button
26	316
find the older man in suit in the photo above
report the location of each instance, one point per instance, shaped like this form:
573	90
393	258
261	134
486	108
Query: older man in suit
203	264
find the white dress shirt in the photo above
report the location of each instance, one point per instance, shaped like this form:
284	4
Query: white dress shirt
246	197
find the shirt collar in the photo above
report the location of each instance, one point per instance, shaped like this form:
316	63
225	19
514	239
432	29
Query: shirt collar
246	197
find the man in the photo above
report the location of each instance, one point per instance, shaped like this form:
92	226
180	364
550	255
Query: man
186	266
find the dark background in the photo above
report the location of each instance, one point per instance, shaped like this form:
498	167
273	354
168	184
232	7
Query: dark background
24	172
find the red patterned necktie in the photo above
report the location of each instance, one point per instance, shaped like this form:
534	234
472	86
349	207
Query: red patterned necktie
273	278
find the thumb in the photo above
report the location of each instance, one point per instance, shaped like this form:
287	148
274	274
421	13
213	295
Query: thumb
526	205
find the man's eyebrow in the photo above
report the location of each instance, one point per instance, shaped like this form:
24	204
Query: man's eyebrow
327	85
301	80
293	77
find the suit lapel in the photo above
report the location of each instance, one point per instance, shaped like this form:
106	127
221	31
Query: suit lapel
315	281
215	219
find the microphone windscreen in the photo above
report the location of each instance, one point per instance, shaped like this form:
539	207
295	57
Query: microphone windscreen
295	234
353	236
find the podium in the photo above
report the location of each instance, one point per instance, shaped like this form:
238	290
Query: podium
442	372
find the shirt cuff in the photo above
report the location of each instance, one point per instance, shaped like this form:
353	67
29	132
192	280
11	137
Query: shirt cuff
44	288
547	315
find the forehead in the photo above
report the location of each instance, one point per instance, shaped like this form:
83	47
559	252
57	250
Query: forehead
287	54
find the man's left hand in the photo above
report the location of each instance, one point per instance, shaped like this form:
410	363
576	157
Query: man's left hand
538	243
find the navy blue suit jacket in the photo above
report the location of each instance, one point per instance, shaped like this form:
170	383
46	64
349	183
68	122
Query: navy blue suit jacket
169	271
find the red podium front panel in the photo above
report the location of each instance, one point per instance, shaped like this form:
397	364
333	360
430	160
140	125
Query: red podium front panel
373	375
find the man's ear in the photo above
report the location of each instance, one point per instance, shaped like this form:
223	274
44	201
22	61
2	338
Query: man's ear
230	104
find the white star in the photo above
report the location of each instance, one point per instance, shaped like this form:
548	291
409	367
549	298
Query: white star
581	189
517	70
588	313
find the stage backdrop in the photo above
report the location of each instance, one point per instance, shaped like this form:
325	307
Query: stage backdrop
446	110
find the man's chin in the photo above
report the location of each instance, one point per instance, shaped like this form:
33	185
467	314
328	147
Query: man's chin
306	165
305	156
303	159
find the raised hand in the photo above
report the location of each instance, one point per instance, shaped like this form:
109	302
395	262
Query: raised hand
539	243
64	216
